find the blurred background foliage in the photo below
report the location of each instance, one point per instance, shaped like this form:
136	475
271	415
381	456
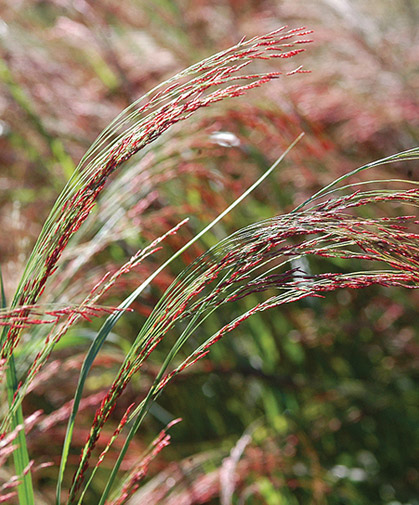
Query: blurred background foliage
318	400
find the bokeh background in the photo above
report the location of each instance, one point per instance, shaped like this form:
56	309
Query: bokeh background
318	398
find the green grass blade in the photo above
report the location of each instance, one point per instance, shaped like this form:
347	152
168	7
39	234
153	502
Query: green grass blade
20	454
3	294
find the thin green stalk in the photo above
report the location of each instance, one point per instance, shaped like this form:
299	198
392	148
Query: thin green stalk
20	454
2	294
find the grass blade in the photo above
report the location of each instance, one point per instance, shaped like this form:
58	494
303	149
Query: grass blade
20	454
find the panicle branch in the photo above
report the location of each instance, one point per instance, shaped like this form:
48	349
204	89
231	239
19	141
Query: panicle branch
140	470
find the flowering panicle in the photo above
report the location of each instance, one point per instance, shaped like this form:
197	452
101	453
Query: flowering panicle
205	83
118	430
136	127
262	258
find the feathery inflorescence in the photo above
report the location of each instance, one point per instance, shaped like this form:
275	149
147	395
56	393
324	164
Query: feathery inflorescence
201	85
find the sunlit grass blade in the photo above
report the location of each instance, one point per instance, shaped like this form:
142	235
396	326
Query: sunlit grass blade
20	454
